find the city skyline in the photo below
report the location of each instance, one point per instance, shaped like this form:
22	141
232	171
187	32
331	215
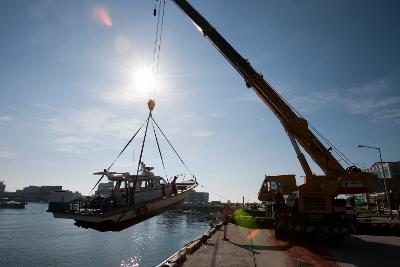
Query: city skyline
72	89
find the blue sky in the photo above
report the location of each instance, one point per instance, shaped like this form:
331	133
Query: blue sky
70	99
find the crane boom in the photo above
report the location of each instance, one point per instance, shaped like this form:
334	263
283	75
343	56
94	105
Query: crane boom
295	126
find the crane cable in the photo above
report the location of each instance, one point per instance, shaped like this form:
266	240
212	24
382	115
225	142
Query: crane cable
157	45
159	149
159	49
144	140
120	153
172	147
326	140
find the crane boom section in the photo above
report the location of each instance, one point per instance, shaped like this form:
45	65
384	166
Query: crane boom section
293	124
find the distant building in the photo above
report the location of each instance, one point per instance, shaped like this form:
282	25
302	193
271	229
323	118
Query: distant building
104	189
63	196
44	192
76	195
202	197
36	193
191	196
390	169
2	187
29	193
197	197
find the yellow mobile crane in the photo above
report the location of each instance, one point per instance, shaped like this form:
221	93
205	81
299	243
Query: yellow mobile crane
312	203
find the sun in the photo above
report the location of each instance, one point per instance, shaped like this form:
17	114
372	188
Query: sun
144	79
140	82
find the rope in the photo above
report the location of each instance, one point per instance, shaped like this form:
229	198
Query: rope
172	147
144	140
120	153
159	149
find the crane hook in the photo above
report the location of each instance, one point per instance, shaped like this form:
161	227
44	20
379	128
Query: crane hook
151	104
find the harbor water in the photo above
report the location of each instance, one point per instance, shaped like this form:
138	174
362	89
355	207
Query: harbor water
32	237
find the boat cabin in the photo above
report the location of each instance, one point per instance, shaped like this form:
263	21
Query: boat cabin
130	189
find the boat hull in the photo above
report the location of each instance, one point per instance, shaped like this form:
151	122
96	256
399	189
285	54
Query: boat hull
122	218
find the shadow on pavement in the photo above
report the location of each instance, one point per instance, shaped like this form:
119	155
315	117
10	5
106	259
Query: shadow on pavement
252	248
355	250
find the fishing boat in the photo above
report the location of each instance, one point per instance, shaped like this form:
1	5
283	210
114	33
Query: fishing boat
133	199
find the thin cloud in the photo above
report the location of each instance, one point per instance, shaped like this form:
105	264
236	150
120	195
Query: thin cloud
124	96
202	134
217	114
87	130
73	144
6	118
183	118
41	9
248	97
374	101
371	100
312	102
5	154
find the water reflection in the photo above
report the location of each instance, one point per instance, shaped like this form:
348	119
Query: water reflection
132	262
31	237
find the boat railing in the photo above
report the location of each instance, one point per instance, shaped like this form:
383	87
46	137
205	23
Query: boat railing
92	205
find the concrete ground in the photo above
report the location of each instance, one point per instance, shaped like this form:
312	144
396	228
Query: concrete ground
258	247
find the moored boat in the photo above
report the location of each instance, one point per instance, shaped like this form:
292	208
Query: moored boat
9	204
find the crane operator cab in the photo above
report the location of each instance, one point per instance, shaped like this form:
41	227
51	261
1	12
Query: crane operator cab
286	184
279	194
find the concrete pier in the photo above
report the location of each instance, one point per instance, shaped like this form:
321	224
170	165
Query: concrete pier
258	247
244	247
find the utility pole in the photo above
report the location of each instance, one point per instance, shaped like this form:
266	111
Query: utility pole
383	177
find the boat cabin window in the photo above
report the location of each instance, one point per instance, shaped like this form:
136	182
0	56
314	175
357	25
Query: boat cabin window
274	185
147	184
150	184
120	185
